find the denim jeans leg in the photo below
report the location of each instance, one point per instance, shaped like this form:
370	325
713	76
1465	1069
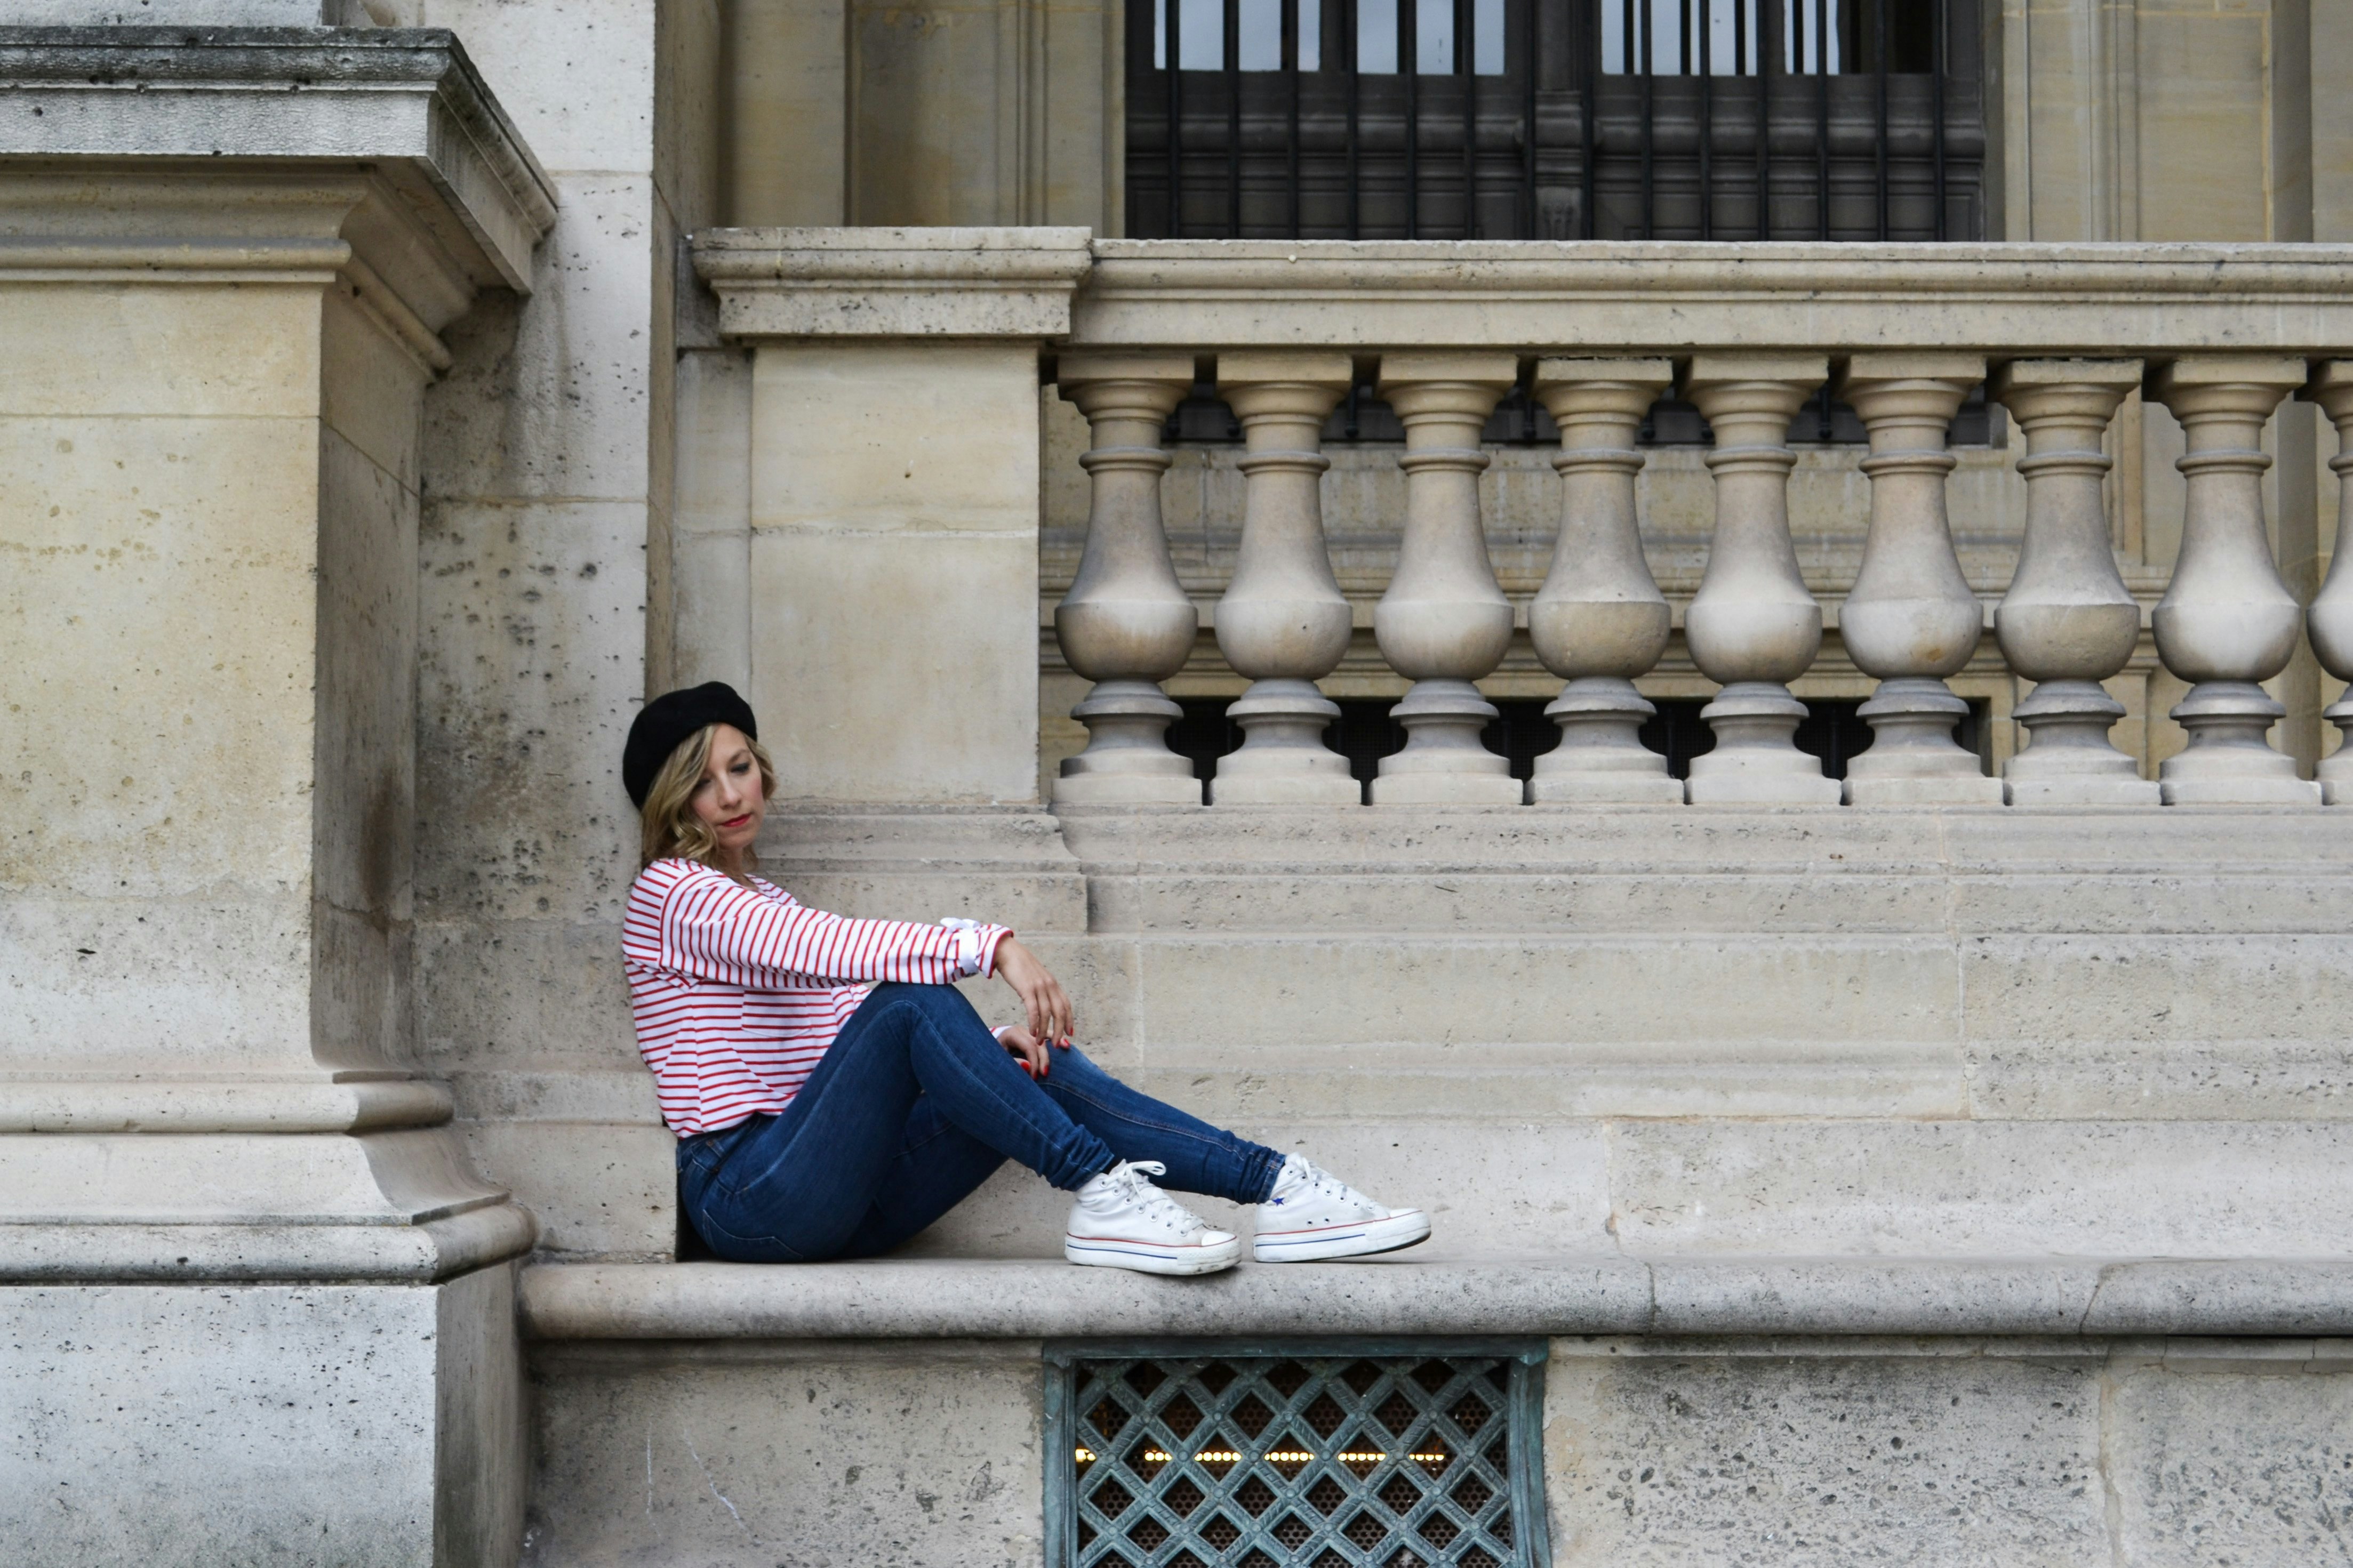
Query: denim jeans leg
978	1087
939	1165
801	1184
1200	1158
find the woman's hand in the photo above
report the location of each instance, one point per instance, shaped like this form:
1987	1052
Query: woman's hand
1040	993
1029	1050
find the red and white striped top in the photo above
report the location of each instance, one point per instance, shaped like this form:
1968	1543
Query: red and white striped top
738	991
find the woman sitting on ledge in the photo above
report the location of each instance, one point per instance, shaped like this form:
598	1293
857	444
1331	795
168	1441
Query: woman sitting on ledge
833	1093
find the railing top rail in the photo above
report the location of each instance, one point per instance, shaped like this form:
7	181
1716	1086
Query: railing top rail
1679	296
1670	296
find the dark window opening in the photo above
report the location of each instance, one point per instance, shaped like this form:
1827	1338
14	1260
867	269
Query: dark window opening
1849	119
1832	730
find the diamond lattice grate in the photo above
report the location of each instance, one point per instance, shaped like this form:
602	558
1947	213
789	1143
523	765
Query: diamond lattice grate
1271	1462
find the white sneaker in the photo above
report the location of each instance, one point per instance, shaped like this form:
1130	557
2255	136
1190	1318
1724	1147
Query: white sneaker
1123	1221
1312	1213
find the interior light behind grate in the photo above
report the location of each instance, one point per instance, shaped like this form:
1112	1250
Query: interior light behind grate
1342	1461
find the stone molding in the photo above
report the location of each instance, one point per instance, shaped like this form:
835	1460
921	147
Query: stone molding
893	282
1028	1298
417	1254
407	101
346	1102
369	169
1663	297
1630	297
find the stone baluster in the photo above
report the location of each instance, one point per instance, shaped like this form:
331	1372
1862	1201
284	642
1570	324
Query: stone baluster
2329	620
1911	619
1444	622
2227	620
1599	620
2068	622
1126	624
1753	627
1283	621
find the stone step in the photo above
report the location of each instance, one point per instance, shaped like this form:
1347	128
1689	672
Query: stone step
1763	1186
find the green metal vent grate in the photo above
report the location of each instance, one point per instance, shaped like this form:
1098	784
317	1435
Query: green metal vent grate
1268	1458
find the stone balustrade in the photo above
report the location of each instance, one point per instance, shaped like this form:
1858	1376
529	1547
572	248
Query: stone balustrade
1910	620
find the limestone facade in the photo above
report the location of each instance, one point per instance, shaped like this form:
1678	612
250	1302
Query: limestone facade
1950	1167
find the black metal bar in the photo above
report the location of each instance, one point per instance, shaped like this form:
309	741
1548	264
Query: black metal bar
1291	97
1589	113
1768	35
1706	121
1936	15
1466	55
1409	65
1529	222
1821	123
1879	148
1348	49
1683	48
1173	31
1233	41
1650	194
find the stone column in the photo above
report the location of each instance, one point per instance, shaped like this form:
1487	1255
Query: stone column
1753	627
1599	619
1126	624
2227	622
1444	622
1911	619
1283	621
2068	622
259	1293
2329	620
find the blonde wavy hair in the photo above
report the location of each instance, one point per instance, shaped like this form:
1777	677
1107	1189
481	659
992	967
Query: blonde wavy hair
668	826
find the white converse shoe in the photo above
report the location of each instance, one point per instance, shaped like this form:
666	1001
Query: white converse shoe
1312	1213
1123	1221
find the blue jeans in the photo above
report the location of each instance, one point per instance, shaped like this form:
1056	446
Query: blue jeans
909	1108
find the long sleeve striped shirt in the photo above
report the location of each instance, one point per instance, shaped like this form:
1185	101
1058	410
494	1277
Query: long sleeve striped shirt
737	990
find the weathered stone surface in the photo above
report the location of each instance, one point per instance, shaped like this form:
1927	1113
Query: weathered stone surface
804	1455
2246	1463
1929	1455
165	1425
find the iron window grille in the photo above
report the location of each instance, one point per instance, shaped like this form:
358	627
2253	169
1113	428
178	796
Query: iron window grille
1556	119
1411	1455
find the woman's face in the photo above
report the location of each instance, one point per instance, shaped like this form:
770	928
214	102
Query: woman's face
729	799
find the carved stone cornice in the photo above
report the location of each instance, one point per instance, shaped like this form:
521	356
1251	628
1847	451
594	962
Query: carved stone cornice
170	112
893	282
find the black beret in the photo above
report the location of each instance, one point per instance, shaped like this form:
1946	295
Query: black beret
668	721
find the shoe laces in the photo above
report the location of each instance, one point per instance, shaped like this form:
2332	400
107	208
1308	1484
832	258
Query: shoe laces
1315	1181
1129	1179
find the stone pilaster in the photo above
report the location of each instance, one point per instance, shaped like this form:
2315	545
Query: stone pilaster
213	1137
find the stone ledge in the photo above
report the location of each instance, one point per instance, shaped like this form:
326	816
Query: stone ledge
1671	297
893	282
406	101
1029	1299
